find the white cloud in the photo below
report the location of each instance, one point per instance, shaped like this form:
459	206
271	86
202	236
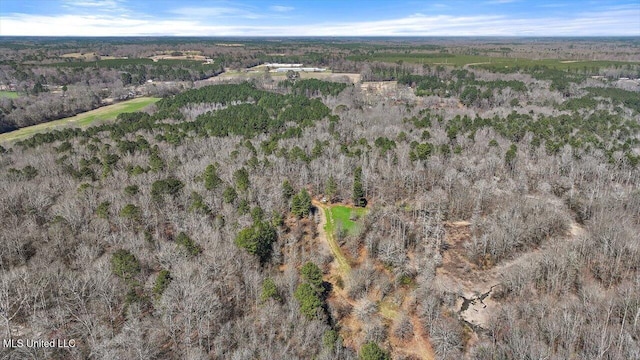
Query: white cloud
553	5
500	1
279	8
217	11
618	21
94	5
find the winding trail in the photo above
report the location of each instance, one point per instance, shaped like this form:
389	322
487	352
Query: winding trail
326	223
418	347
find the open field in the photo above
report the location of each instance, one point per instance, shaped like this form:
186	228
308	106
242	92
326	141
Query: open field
9	94
566	65
105	113
328	226
341	216
487	61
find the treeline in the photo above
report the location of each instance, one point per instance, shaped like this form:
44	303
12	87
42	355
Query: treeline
249	112
560	79
630	99
460	83
215	94
313	87
601	130
138	70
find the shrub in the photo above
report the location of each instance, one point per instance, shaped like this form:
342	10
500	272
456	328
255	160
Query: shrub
257	239
191	247
309	300
257	214
312	274
301	204
169	186
198	205
371	351
241	177
162	281
124	264
102	211
287	190
329	339
131	212
211	178
243	207
131	190
229	195
269	290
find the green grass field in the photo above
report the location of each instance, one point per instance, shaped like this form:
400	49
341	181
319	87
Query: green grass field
9	94
489	61
341	218
93	117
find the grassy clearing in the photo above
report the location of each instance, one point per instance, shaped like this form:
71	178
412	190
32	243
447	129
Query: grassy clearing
329	229
339	217
93	117
388	310
342	216
9	94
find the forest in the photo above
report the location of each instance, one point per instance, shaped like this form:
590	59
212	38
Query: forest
393	207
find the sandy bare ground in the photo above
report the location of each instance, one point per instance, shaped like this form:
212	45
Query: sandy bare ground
474	285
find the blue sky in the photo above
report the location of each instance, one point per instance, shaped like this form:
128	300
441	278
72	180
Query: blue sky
319	18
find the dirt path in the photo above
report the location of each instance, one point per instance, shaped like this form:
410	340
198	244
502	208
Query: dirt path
418	347
478	63
329	238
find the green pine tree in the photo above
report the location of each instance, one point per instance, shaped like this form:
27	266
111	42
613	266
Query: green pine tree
358	189
331	188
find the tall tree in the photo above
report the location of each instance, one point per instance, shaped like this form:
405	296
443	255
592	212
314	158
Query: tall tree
211	178
331	188
358	189
241	177
257	239
287	190
301	204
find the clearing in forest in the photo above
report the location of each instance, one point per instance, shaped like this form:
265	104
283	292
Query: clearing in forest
92	117
9	94
345	218
348	219
328	232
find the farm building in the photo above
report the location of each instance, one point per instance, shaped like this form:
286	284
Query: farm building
300	69
276	65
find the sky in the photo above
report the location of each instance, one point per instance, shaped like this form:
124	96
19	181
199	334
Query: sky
319	18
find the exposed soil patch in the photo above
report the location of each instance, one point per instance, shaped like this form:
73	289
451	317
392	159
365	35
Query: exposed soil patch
473	285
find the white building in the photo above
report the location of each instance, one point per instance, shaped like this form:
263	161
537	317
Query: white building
299	69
